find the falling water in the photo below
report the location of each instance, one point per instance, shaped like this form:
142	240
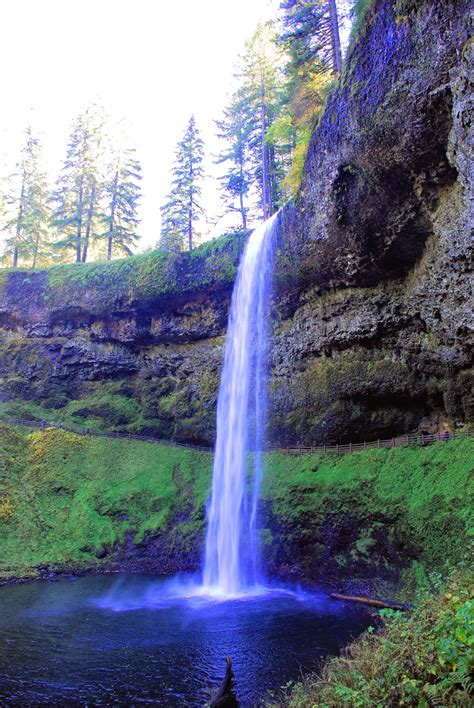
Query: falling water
231	560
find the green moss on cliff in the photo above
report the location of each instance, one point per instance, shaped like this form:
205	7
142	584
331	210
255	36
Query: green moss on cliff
407	509
73	495
65	497
101	285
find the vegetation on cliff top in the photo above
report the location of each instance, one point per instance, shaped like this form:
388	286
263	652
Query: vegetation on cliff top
129	280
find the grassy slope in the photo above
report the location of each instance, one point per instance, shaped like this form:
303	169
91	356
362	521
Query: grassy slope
66	496
417	500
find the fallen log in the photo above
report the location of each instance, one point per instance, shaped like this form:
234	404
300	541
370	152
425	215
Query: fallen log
225	696
382	604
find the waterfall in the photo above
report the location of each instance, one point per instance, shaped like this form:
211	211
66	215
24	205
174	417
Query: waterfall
231	559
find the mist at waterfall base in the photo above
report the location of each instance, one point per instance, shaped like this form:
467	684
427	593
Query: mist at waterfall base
143	638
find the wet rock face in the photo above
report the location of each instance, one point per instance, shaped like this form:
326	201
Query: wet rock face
371	303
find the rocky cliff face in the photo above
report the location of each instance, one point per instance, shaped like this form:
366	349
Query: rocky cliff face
371	303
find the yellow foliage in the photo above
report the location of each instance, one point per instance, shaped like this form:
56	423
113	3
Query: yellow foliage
7	509
46	443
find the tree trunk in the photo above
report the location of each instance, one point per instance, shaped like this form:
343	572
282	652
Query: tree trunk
241	197
90	214
263	130
190	228
383	604
35	252
19	223
225	696
112	217
242	211
79	223
335	39
190	208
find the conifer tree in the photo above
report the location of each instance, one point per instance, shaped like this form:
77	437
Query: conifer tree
78	188
183	208
311	31
249	116
27	203
122	192
236	181
264	84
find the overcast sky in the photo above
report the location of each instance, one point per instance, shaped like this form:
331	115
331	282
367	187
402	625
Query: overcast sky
154	62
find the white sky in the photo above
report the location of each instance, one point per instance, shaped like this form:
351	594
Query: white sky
154	62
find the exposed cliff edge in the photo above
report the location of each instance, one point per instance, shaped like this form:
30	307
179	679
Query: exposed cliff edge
371	301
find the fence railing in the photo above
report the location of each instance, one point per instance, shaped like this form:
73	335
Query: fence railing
411	439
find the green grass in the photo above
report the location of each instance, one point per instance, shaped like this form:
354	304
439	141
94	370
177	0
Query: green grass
73	495
409	506
64	497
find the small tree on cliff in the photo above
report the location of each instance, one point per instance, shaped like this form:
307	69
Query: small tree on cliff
122	193
183	208
27	203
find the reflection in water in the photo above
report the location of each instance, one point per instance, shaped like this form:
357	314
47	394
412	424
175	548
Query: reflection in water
136	638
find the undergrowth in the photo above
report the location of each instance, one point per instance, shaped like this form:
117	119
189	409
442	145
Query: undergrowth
422	658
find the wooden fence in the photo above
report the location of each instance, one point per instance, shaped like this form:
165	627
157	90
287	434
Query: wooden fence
413	439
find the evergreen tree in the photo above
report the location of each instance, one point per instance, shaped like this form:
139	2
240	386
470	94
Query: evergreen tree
236	181
311	31
252	110
183	208
122	192
28	206
78	188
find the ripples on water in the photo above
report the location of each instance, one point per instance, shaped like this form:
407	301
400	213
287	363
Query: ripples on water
134	639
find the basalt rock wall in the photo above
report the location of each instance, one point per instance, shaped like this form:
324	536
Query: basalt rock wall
371	312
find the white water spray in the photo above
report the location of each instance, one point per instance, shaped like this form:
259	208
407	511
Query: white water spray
231	562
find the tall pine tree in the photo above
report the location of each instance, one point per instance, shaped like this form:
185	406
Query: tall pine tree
255	164
122	192
78	189
311	30
183	208
27	202
234	129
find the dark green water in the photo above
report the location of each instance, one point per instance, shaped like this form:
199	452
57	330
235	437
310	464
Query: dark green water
135	640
